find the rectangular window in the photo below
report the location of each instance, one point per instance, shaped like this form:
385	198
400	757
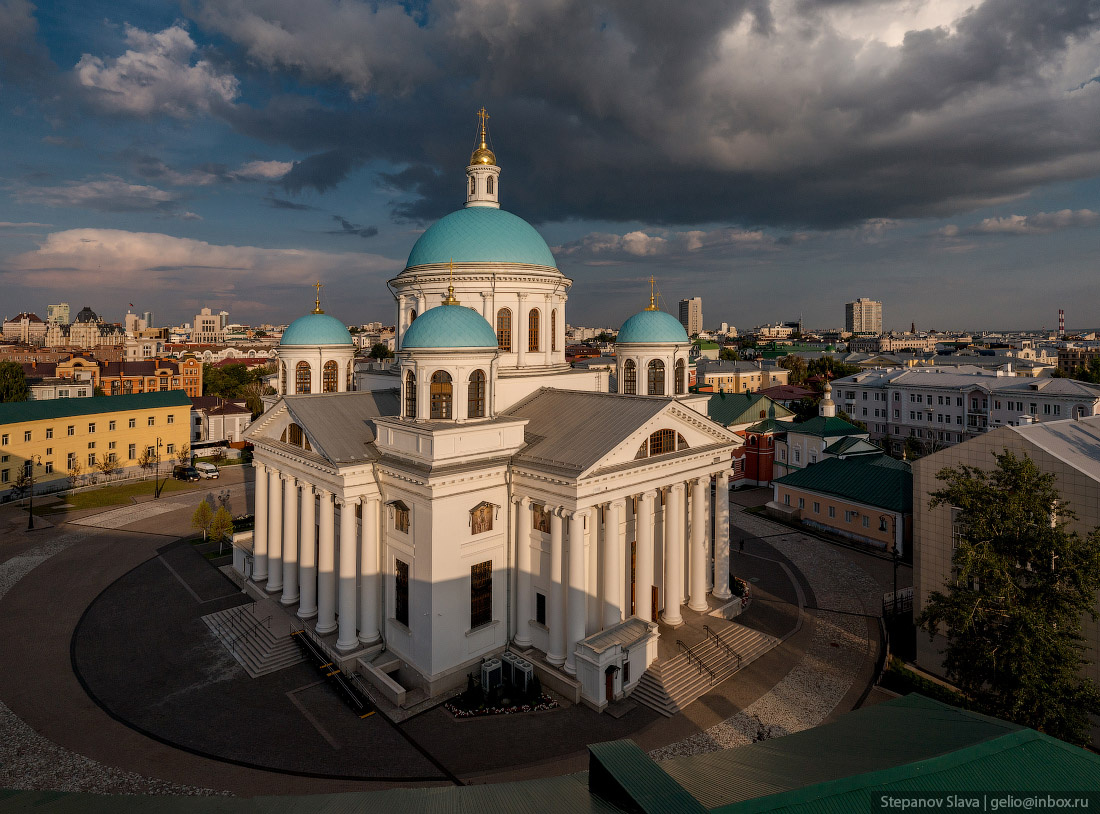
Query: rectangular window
4	439
70	461
786	500
111	425
91	459
152	421
171	449
866	522
91	445
865	411
540	608
996	405
958	419
26	435
1057	409
132	423
110	445
848	515
802	503
797	454
865	395
897	413
401	592
91	426
49	451
832	511
1046	411
401	517
817	507
481	594
958	401
171	419
49	432
132	451
49	467
5	475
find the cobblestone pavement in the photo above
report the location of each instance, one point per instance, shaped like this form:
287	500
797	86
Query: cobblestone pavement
30	761
117	518
807	694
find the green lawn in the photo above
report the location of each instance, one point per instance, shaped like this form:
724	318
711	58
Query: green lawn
117	495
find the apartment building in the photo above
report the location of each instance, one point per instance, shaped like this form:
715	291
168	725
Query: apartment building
691	315
941	406
864	316
739	377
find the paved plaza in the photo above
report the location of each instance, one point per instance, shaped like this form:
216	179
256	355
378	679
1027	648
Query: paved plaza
113	683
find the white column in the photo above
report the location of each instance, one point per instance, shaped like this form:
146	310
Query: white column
643	586
290	542
487	309
575	621
401	317
326	567
524	609
592	587
369	594
722	536
349	549
545	330
259	535
307	606
698	544
275	532
708	529
521	329
612	558
674	555
556	648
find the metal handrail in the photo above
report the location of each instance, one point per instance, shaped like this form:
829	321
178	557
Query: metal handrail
692	657
718	640
251	628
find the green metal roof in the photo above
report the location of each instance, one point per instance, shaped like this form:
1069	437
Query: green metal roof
1018	763
852	445
826	427
620	772
742	408
877	481
20	411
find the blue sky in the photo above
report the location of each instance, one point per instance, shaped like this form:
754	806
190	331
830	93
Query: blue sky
776	157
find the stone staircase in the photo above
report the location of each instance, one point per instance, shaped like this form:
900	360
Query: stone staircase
671	685
257	636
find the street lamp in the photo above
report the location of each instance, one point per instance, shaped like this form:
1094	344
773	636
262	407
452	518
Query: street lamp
156	480
31	463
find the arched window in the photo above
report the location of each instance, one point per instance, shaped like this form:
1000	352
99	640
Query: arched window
630	378
473	185
504	329
533	330
489	185
656	378
294	435
681	377
329	374
282	378
554	330
475	402
441	394
662	441
412	315
302	378
351	376
410	395
681	442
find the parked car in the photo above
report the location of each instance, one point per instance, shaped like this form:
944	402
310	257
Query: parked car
188	473
207	470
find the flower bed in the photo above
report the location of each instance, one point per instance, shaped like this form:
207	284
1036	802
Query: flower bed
457	708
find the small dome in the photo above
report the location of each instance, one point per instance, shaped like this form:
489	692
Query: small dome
652	326
481	234
86	314
450	326
316	329
483	155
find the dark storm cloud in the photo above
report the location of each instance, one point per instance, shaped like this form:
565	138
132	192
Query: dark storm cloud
279	203
23	60
349	228
711	112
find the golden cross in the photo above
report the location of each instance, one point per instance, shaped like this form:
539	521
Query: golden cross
481	114
317	302
652	298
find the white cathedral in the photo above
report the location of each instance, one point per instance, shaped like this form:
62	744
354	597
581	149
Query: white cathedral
482	494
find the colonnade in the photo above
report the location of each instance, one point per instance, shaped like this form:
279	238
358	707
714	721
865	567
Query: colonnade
296	549
572	576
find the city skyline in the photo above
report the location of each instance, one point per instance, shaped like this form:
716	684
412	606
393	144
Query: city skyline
936	157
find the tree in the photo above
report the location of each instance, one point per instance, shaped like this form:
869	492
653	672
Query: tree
74	474
728	354
855	422
13	382
1013	616
183	455
98	391
797	367
22	483
217	456
202	517
108	466
147	460
221	529
379	351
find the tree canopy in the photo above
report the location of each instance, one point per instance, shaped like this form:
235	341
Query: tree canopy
13	382
379	350
1023	583
1089	372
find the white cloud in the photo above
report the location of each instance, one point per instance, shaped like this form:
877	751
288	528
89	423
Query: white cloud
7	224
156	76
116	258
644	244
262	170
1041	223
110	194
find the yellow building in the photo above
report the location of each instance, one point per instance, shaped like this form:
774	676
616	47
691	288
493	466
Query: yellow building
739	377
64	436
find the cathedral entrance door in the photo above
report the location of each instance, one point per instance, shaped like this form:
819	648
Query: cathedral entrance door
654	605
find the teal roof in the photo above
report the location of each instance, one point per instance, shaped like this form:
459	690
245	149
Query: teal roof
316	329
879	481
651	326
449	326
481	234
741	408
826	427
19	411
620	772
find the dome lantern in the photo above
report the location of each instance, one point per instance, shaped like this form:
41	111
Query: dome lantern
483	174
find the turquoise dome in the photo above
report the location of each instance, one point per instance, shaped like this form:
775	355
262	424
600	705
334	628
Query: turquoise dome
316	329
481	234
450	326
652	326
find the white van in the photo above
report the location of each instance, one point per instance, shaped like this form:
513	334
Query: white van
207	470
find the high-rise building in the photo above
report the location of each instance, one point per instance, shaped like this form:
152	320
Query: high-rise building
864	316
58	314
691	315
148	317
209	327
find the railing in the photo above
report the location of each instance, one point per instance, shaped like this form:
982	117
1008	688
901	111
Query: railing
247	632
694	659
720	642
349	687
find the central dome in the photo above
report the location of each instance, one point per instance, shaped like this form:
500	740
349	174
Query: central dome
449	326
316	329
481	234
652	327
